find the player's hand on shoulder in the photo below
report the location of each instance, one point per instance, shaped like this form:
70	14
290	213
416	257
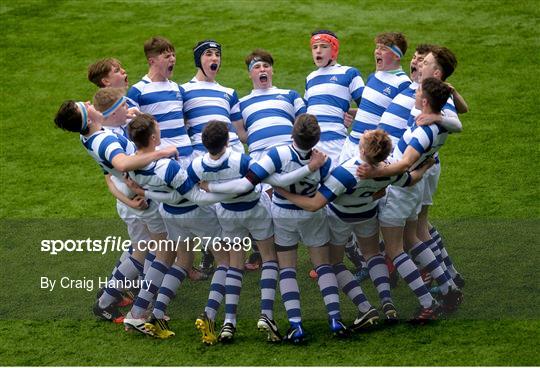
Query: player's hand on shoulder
133	112
169	151
318	158
451	87
428	119
366	171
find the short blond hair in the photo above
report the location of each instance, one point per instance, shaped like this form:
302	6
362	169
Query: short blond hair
106	97
377	145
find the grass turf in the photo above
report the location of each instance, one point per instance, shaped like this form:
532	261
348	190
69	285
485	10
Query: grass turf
486	207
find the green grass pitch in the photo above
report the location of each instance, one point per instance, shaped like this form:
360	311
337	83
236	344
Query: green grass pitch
486	208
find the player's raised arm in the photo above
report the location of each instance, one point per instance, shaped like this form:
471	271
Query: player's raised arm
459	101
123	162
448	122
317	160
83	118
411	155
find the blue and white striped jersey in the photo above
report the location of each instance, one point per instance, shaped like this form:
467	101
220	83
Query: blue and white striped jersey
166	175
285	159
394	119
427	140
351	196
163	100
268	116
448	110
205	101
119	130
232	165
103	146
328	95
381	87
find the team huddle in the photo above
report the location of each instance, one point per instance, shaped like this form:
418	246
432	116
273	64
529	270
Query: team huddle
317	172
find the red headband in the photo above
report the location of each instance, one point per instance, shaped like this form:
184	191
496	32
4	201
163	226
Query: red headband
323	37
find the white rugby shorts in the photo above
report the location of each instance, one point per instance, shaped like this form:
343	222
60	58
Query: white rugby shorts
135	219
400	205
340	231
294	226
256	221
431	181
200	222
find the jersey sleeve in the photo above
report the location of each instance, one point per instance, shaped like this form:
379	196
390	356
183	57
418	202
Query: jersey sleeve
325	169
233	101
339	182
450	119
356	86
133	96
202	198
245	162
236	186
450	108
422	139
236	114
298	103
109	148
182	92
163	197
177	178
267	165
284	180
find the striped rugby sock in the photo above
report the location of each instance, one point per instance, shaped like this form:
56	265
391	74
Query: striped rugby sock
290	293
127	270
329	289
408	272
351	287
217	292
155	276
422	254
233	286
171	282
268	284
378	272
